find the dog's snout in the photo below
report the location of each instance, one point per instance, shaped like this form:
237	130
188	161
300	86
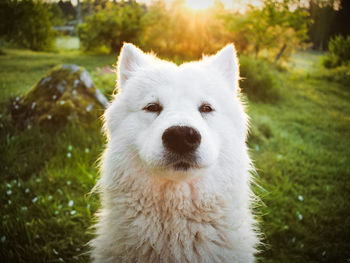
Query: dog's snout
181	139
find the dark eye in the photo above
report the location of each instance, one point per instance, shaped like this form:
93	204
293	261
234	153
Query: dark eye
153	107
206	108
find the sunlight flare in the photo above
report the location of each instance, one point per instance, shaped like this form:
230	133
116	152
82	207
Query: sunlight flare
199	5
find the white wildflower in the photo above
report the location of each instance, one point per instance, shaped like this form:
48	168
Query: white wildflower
35	199
70	203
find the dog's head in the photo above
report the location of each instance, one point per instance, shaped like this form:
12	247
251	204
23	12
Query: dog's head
176	120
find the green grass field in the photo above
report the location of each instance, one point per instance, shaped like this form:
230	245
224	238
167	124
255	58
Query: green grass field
300	146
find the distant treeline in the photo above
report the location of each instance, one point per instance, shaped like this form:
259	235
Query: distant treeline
274	30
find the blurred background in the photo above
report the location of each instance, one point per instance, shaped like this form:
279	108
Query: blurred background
57	71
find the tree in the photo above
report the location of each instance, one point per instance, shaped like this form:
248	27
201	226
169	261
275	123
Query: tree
274	28
177	32
68	9
111	26
322	14
27	23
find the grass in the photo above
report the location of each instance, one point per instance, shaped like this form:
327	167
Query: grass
300	144
67	43
20	69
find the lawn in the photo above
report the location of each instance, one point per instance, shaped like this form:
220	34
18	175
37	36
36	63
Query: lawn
300	146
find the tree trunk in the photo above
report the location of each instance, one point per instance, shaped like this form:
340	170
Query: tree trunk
79	12
279	55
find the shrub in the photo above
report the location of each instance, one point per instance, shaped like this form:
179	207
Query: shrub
27	23
111	26
338	52
258	81
339	74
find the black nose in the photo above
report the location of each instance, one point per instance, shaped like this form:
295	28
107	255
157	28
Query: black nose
181	139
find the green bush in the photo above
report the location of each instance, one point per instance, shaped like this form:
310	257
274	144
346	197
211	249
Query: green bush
111	26
27	23
257	80
338	52
339	74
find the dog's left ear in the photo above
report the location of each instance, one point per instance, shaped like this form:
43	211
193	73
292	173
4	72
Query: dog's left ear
130	60
226	62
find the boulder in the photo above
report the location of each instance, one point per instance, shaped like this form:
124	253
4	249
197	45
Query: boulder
66	93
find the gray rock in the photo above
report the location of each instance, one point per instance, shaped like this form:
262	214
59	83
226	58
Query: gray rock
66	93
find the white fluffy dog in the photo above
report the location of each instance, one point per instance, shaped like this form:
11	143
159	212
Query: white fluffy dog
175	181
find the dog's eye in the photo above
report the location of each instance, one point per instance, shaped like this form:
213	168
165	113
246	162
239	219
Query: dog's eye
206	108
153	107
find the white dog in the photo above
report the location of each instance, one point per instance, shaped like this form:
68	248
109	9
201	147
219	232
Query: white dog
175	181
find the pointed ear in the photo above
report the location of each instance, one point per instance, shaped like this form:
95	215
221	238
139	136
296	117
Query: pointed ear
130	59
226	61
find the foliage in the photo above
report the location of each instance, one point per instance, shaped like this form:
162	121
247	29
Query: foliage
67	9
339	74
323	15
329	18
258	81
111	26
338	52
179	33
273	30
27	23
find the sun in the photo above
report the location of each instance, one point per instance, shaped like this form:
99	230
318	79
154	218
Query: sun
199	4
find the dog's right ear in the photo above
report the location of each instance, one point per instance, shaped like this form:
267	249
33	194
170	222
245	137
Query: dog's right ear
130	59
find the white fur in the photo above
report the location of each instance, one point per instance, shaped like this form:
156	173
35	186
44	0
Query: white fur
152	213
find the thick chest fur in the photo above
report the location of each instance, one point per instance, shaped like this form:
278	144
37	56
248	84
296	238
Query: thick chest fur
157	228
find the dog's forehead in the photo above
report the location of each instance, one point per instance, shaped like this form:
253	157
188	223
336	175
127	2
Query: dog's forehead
185	80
